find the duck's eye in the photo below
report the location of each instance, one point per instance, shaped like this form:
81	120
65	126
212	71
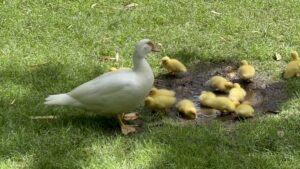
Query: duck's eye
151	45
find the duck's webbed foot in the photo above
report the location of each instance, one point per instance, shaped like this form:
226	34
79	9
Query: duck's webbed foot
130	116
126	129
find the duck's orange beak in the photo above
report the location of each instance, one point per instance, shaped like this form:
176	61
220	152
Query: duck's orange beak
155	49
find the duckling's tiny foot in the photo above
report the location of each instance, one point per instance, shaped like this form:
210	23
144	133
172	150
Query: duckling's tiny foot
130	116
126	129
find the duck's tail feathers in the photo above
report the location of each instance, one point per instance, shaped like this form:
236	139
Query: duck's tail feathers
61	99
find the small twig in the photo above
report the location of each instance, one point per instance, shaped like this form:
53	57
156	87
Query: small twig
36	65
13	101
43	117
215	12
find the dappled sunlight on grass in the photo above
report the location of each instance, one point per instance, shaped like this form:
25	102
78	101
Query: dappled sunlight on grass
118	152
51	47
21	161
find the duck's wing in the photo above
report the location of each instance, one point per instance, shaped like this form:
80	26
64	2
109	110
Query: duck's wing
107	86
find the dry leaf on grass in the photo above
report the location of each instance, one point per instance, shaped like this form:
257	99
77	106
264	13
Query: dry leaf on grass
36	65
13	101
94	5
223	38
106	58
43	117
215	12
277	57
131	5
117	57
97	5
280	133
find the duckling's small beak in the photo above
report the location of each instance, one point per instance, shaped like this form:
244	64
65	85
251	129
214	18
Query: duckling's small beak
154	49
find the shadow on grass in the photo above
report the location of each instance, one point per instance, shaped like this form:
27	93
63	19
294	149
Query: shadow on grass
49	76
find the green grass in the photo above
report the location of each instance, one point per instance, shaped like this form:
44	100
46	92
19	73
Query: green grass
70	37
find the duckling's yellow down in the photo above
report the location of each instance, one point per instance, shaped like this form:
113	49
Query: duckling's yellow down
220	83
161	92
237	93
159	102
114	68
293	67
246	71
244	110
221	103
205	96
187	108
173	65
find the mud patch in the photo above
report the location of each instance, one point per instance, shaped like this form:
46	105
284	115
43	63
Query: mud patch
265	97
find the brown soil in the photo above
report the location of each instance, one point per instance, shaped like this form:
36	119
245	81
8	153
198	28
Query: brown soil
264	96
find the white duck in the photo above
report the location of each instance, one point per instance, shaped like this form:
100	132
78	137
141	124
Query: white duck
114	92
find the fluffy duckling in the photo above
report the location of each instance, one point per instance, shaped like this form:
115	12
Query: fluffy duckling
246	71
159	102
161	92
114	68
244	110
293	67
187	108
237	93
173	65
220	83
205	96
221	103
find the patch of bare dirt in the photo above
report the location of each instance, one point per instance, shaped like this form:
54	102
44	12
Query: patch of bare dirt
264	96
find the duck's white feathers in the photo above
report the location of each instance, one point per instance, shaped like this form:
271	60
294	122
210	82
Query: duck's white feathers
112	88
113	92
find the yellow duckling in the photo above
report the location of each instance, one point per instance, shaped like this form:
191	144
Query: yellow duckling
187	108
161	92
114	68
173	65
237	93
159	102
246	71
220	83
221	103
205	96
293	67
244	110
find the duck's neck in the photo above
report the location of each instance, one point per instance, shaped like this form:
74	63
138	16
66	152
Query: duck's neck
139	62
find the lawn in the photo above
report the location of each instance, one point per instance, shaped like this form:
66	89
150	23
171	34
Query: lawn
49	47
